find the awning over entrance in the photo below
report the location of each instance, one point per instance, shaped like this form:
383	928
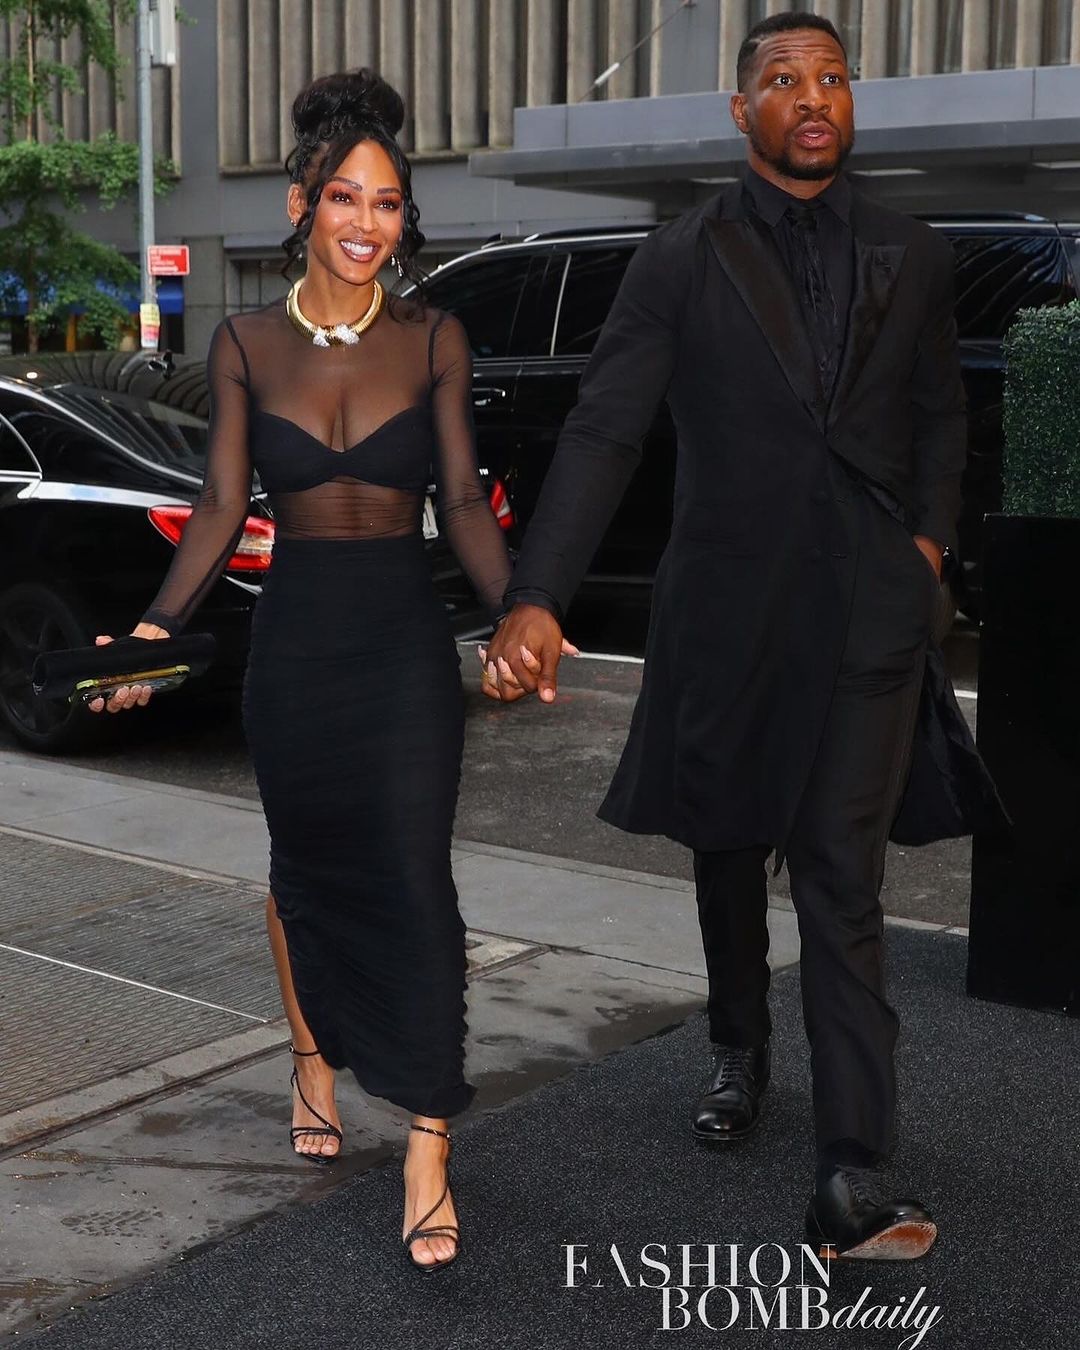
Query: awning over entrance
960	140
170	294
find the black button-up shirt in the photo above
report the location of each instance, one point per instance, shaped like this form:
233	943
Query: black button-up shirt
836	241
770	203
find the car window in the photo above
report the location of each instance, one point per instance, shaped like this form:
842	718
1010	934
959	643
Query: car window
536	313
484	294
72	454
13	455
1072	248
999	274
590	288
154	431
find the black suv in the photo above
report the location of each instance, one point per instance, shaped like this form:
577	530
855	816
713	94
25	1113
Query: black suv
533	309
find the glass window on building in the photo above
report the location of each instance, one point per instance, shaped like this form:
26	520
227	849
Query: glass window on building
997	275
259	282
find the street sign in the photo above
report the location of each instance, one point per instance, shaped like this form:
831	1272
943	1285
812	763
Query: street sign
169	260
149	326
163	32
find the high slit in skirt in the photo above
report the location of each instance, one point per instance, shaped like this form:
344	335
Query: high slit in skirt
354	716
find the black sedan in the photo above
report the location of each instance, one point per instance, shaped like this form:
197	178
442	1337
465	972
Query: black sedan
101	459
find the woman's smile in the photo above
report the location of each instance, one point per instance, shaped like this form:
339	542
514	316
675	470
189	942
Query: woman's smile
358	250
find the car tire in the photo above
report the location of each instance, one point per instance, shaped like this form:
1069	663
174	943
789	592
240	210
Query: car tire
35	618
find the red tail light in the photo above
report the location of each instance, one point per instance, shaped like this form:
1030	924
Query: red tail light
252	552
500	504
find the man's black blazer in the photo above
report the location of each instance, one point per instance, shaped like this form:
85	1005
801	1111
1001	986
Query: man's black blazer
751	597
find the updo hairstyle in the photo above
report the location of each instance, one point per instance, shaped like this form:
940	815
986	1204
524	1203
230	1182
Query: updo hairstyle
329	117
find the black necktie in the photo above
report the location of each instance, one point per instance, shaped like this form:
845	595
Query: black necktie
815	293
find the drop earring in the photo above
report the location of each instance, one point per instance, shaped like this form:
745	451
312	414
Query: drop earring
395	261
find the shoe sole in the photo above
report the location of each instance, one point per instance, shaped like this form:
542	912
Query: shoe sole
902	1242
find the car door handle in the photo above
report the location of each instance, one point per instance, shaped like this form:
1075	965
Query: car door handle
486	395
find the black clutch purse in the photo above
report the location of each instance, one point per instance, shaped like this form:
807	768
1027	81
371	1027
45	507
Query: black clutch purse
81	674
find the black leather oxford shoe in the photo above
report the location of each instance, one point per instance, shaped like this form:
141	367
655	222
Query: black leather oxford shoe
850	1216
731	1104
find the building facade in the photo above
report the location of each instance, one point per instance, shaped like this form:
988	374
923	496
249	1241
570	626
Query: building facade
962	105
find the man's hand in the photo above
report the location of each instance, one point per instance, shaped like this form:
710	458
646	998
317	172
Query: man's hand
931	551
523	656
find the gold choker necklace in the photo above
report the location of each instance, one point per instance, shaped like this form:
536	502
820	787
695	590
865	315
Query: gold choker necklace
342	334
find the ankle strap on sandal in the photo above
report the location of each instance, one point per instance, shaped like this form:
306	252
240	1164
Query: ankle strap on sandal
305	1054
427	1129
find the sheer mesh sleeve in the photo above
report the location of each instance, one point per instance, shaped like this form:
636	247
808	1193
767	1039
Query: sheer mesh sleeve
465	511
217	522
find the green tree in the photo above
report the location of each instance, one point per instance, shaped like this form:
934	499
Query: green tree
44	183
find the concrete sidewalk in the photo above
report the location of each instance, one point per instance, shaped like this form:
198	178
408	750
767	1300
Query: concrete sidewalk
144	1107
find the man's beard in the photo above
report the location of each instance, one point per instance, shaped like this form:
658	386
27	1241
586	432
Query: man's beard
807	173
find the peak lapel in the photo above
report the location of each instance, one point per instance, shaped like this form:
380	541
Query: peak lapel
756	270
876	269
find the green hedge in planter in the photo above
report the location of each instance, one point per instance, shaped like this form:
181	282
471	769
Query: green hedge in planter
1041	469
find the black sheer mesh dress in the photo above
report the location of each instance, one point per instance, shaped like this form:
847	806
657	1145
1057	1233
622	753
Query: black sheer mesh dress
353	707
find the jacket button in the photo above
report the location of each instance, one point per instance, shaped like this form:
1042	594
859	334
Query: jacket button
815	552
821	495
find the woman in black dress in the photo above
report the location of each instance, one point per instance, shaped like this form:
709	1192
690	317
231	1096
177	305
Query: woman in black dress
344	401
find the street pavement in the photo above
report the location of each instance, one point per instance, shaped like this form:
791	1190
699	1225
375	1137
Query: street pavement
144	1106
533	774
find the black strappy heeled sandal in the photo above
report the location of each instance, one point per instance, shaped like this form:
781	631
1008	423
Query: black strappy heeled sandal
418	1231
326	1129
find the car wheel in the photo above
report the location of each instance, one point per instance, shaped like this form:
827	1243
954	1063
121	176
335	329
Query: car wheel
35	619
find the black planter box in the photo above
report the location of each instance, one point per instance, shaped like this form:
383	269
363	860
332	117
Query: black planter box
1024	942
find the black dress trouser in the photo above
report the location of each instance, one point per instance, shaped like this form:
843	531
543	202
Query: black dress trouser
836	855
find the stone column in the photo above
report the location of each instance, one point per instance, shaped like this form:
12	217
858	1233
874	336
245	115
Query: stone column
734	21
975	39
74	104
232	82
264	82
466	132
924	37
361	35
430	99
874	48
502	70
583	61
327	37
296	67
394	63
622	34
540	53
1029	31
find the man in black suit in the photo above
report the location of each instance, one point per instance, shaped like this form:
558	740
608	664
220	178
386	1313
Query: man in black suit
804	340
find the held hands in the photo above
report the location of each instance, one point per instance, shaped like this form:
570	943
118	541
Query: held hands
523	655
127	696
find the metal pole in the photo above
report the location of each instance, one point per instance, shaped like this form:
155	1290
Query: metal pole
146	152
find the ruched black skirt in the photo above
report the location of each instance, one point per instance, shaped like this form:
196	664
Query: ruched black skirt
354	715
